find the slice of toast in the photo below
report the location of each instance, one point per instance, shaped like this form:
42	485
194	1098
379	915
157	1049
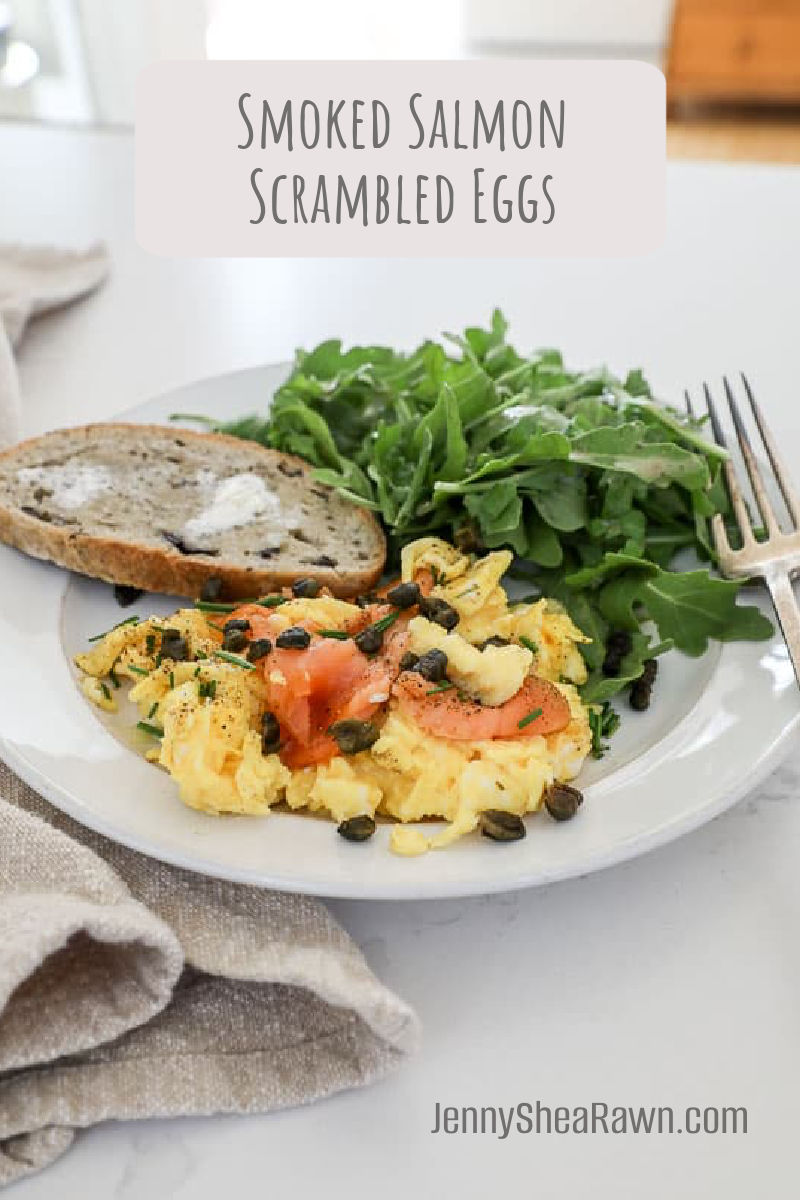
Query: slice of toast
167	509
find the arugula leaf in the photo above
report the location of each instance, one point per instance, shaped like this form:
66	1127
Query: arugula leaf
599	688
687	607
594	484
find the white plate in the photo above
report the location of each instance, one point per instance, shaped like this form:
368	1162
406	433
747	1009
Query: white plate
717	726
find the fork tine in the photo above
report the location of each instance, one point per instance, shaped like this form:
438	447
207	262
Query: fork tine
720	534
756	478
781	474
688	402
734	491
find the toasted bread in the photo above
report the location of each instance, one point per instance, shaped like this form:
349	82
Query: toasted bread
167	509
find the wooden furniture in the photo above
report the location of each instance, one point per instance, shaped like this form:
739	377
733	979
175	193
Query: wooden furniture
738	51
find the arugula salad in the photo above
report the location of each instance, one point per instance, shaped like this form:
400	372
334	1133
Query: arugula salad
595	485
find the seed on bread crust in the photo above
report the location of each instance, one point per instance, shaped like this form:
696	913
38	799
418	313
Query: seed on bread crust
184	547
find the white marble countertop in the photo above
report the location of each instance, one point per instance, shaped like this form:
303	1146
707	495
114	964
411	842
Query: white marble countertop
674	979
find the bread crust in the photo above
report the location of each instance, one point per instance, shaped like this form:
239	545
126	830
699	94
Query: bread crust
167	570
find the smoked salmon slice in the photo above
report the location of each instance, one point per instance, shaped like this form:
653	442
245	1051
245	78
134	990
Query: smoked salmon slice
447	714
309	689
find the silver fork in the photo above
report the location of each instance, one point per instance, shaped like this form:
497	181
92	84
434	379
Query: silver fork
776	559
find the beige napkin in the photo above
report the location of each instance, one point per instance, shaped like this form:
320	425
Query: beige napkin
132	989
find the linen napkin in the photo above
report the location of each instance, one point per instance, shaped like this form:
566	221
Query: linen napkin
129	988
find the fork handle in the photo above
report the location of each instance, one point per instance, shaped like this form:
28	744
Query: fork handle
788	614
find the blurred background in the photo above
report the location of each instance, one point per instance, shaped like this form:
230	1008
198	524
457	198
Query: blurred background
732	66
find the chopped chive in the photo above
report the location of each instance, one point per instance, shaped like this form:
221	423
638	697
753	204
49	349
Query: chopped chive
529	644
213	607
153	730
137	670
442	687
537	712
98	637
112	674
153	710
235	659
171	680
271	601
201	654
105	691
207	688
339	634
150	643
196	672
603	722
385	622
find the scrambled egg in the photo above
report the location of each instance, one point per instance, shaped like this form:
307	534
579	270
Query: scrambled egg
207	710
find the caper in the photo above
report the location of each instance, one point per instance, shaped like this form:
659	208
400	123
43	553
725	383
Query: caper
642	687
562	801
240	623
501	826
619	644
432	665
234	641
125	595
370	640
212	589
467	538
405	595
357	829
270	733
293	638
258	648
408	661
352	736
305	589
173	645
439	611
